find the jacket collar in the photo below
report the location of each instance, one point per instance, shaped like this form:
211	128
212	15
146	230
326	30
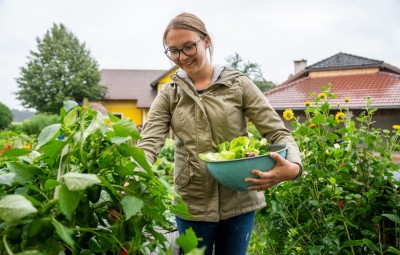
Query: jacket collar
222	75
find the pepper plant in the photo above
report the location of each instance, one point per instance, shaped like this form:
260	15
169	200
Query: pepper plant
83	188
347	201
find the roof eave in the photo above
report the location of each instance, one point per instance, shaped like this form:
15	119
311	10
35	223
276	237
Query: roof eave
154	83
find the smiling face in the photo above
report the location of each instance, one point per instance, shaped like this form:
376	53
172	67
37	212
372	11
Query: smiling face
176	39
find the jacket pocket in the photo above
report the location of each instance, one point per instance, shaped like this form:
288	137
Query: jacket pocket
184	174
183	177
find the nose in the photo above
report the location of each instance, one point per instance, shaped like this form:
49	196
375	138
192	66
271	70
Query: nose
182	56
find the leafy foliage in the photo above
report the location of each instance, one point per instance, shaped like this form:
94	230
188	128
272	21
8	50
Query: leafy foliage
347	201
253	70
6	116
84	188
60	69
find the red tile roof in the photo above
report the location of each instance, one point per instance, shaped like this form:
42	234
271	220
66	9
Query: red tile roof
131	85
382	87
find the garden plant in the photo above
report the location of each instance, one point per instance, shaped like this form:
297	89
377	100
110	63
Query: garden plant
347	201
85	188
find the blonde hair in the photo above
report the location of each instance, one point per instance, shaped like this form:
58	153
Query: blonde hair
190	22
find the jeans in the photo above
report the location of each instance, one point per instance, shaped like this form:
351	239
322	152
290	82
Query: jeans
230	236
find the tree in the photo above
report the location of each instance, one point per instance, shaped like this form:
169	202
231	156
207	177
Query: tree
252	70
6	116
61	69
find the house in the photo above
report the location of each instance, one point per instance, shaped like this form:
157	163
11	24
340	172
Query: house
352	77
131	92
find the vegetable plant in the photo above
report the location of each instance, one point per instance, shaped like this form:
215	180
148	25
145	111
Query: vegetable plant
84	188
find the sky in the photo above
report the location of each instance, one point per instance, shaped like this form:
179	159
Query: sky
127	34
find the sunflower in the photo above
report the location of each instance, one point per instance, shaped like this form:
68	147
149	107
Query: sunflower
346	99
288	114
322	96
339	117
396	127
311	125
307	103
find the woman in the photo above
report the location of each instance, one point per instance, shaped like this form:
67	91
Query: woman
204	106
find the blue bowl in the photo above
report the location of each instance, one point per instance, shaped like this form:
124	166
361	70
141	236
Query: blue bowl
231	173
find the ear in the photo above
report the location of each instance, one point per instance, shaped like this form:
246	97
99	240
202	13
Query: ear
207	41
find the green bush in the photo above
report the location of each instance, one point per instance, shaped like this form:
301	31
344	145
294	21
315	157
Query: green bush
347	201
168	150
85	188
10	139
6	116
38	122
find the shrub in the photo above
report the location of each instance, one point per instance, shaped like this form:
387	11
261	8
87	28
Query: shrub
347	201
10	139
6	116
38	122
167	151
84	188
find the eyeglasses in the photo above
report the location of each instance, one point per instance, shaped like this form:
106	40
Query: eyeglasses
188	50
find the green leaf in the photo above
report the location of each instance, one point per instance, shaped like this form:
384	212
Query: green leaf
371	245
188	240
69	104
7	178
318	119
47	134
137	154
79	181
15	152
131	206
50	184
343	219
22	172
53	149
64	232
68	201
118	139
393	250
71	117
125	127
15	207
349	243
392	217
95	125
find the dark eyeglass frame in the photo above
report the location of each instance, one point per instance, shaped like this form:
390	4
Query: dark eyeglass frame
182	50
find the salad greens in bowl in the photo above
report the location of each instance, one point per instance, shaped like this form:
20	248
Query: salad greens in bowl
234	160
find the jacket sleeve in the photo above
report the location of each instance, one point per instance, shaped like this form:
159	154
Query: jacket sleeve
266	120
156	128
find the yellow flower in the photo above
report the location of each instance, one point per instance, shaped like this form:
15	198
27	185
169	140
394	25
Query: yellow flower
288	114
339	117
396	127
346	99
322	96
307	103
311	125
28	147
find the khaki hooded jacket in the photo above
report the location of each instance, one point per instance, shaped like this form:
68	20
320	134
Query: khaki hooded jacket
202	121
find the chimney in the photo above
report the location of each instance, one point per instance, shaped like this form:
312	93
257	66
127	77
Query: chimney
299	65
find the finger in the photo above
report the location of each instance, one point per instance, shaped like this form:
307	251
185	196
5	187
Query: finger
255	180
276	157
262	174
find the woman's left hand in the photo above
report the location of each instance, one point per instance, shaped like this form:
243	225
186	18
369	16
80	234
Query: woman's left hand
282	171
